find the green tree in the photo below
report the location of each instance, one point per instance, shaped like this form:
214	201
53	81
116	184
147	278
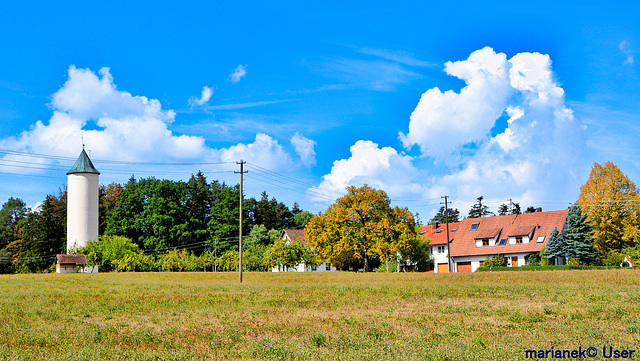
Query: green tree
110	252
611	201
301	219
361	225
453	215
479	210
12	212
555	246
577	237
513	208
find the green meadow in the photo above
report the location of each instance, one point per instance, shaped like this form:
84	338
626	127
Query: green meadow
311	316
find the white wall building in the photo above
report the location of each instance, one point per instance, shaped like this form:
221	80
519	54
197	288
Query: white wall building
292	234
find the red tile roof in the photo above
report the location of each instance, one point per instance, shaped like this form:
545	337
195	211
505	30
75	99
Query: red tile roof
438	234
77	259
293	234
541	223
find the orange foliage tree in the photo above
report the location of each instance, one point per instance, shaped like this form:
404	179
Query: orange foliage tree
611	201
360	225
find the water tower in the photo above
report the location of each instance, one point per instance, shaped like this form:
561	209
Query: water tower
82	203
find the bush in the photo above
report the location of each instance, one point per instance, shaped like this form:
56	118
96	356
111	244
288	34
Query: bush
613	259
495	261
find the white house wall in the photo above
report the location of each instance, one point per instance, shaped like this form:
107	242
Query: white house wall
438	257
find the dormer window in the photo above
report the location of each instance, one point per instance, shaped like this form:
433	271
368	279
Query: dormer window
485	243
503	242
518	240
474	226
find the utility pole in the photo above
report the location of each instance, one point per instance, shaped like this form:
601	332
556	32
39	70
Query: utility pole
215	256
242	172
511	209
446	219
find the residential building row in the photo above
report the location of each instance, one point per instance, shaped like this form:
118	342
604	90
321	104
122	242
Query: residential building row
473	240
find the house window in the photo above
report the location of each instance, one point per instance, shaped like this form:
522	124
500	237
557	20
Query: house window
485	243
540	239
455	229
328	266
481	263
518	240
440	249
439	231
503	242
474	226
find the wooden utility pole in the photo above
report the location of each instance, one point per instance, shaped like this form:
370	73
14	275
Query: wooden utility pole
446	220
242	172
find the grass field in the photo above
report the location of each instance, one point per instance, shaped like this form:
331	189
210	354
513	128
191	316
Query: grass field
184	316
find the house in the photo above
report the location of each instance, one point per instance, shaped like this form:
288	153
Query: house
511	236
292	234
69	263
437	233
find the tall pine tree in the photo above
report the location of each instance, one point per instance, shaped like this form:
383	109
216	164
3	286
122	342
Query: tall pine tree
578	237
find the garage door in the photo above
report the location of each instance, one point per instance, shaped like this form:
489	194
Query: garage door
464	266
443	268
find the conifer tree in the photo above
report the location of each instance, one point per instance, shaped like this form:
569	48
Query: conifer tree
555	246
578	237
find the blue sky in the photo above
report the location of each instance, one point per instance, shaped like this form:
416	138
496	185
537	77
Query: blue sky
497	99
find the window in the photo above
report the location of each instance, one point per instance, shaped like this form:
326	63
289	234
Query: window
540	239
439	231
440	249
503	242
474	226
519	240
455	229
423	232
328	266
485	243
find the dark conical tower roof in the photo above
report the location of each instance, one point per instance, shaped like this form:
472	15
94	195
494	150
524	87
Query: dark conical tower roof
83	165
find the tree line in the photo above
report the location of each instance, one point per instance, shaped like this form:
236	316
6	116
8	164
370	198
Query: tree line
153	214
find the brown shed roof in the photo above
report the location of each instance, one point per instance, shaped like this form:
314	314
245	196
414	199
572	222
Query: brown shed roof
541	223
77	259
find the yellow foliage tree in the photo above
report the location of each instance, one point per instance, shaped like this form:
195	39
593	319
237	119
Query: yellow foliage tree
611	201
360	225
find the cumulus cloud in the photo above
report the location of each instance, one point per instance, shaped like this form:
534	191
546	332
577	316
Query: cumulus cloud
533	158
381	168
204	98
304	148
443	122
264	151
117	125
238	74
114	123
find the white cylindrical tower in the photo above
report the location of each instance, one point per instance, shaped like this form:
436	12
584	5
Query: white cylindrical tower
82	203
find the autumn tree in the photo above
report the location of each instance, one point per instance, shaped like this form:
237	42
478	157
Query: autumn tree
361	225
611	201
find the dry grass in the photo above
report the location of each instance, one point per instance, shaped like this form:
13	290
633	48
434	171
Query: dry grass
183	316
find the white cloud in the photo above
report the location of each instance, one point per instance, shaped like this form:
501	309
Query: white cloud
264	151
625	48
395	56
443	122
304	148
238	73
116	125
381	168
535	158
379	75
204	98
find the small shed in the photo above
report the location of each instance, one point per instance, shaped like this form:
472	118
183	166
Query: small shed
69	263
